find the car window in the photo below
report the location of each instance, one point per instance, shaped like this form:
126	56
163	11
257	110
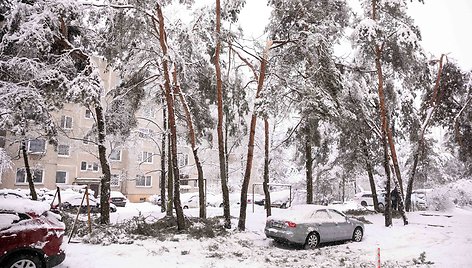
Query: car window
8	218
321	214
337	216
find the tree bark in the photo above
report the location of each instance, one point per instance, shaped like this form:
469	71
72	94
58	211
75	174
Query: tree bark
170	182
434	102
398	183
250	147
29	176
171	115
265	184
106	172
309	167
368	166
386	132
163	160
219	93
193	143
388	197
396	167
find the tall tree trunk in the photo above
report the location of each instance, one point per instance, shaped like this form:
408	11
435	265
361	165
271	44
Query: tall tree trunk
172	124
309	167
398	183
265	184
29	176
193	143
170	181
388	197
106	173
386	132
219	93
434	102
250	147
163	160
396	167
368	166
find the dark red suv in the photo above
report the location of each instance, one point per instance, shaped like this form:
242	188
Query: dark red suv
30	234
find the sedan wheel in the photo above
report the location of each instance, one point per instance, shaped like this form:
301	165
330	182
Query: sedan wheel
24	261
357	235
312	241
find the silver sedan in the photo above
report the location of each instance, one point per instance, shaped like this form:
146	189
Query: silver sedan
310	225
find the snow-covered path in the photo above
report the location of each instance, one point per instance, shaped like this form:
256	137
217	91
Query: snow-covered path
446	241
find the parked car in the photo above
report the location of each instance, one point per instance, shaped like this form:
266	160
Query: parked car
118	199
419	199
310	225
366	199
155	199
189	200
73	201
30	234
280	199
9	193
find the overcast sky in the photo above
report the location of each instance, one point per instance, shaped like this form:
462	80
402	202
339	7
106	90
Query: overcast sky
445	28
444	24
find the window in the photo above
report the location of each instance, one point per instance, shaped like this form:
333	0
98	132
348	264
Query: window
149	112
182	159
84	166
143	181
183	179
145	157
61	176
37	146
66	122
36	173
322	214
114	180
95	166
337	217
145	133
115	155
88	114
63	150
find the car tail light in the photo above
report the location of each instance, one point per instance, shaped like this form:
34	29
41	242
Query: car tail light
291	224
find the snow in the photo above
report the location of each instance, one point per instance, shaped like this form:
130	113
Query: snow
444	240
23	205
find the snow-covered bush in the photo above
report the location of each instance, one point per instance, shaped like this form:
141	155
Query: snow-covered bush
448	196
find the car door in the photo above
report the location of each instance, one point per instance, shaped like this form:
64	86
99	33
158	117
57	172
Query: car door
343	227
326	226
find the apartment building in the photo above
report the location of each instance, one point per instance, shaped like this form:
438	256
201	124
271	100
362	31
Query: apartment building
135	164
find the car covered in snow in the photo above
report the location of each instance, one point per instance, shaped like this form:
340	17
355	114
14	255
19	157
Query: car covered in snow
366	199
30	234
10	193
310	225
72	200
118	199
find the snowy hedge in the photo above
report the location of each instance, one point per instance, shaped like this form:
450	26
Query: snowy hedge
448	196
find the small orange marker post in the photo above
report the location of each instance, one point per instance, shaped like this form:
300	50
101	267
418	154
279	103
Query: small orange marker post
378	257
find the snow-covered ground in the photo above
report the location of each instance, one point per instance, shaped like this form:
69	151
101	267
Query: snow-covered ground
444	237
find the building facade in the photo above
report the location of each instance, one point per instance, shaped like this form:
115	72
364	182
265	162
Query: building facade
135	163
